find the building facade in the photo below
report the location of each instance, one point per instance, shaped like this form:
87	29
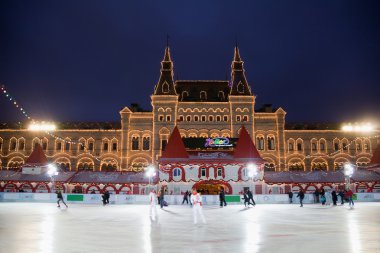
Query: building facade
198	108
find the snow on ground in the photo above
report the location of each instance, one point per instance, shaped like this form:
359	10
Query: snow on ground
44	228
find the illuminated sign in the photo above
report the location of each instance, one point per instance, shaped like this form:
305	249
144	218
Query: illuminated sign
218	142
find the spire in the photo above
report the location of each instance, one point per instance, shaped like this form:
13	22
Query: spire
175	147
37	157
165	85
239	81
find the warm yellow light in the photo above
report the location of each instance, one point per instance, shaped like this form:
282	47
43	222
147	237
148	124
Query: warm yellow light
358	127
41	126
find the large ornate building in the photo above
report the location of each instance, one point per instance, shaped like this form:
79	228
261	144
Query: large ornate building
200	108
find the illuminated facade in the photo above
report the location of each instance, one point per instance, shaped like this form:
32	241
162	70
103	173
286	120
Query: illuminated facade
198	109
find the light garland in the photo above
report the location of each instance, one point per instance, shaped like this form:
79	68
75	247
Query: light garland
14	102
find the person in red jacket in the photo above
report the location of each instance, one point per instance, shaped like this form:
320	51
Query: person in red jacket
349	195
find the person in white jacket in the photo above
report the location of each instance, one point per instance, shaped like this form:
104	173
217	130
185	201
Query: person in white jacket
196	200
153	204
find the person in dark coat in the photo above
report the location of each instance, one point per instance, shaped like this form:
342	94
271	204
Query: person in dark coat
185	197
106	198
301	195
222	197
246	199
316	196
290	194
341	195
60	198
334	197
189	196
250	196
162	197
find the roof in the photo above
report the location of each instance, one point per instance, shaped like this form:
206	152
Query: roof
37	157
245	147
8	175
190	91
116	177
175	147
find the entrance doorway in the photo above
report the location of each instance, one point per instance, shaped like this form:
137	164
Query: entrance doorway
212	187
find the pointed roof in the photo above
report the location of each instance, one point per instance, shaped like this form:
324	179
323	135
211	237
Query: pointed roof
375	160
245	147
239	82
165	85
37	157
175	147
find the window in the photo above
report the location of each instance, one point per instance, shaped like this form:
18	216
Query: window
358	147
44	145
165	88
180	118
210	118
188	118
146	143
177	172
219	173
21	145
203	95
81	145
196	118
260	143
135	143
67	146
322	146
238	118
58	147
299	146
225	118
114	146
218	118
245	118
291	147
203	172
105	146
336	146
168	118
161	118
345	146
221	95
91	146
163	144
314	146
12	145
203	118
271	144
366	147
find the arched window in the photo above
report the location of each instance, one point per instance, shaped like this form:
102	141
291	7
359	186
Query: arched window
219	172
105	146
188	118
225	118
196	118
211	118
114	146
336	145
260	143
165	87
176	172
271	144
12	145
240	87
58	146
291	147
91	146
203	172
44	144
203	118
203	95
181	118
67	146
135	143
245	118
146	143
21	144
221	95
322	145
218	118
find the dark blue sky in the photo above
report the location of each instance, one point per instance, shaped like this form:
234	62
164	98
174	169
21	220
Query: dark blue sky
85	60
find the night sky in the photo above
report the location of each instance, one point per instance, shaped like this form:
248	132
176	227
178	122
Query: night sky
85	60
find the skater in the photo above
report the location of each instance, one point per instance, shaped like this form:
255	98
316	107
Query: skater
189	197
60	198
334	197
250	196
316	196
196	200
323	200
153	203
162	197
349	195
246	199
106	198
301	195
341	195
290	194
222	197
185	198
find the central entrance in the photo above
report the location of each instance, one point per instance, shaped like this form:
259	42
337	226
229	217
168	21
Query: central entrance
212	187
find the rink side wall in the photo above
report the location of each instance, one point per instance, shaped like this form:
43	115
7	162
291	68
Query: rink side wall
171	199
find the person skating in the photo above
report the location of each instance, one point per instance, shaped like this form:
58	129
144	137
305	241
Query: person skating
153	204
316	196
196	200
334	197
185	197
349	195
60	198
246	199
301	195
162	195
250	196
290	194
106	198
222	197
341	195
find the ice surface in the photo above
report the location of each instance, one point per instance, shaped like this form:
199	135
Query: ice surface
43	228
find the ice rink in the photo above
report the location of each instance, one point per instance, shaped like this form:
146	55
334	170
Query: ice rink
44	228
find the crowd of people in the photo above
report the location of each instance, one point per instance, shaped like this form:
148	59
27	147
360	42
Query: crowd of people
320	196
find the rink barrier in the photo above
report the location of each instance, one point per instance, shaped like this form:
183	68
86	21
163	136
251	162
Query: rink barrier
171	199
